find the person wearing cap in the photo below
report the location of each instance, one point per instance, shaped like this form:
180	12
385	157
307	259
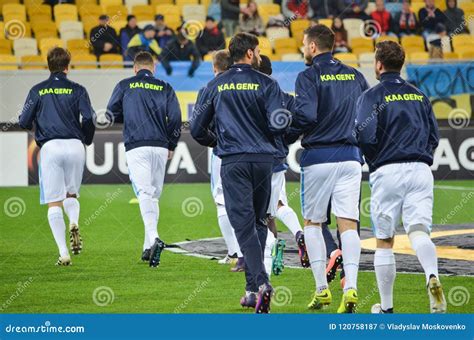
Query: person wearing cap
210	38
143	41
103	38
127	33
163	32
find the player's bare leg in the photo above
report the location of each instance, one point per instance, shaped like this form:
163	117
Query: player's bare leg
385	273
316	249
72	208
58	228
351	249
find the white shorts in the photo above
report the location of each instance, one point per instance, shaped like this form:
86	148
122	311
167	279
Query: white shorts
146	168
60	169
401	191
278	192
336	182
216	181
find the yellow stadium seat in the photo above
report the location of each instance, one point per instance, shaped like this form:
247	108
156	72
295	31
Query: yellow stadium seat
413	41
462	50
88	10
186	2
461	40
325	22
285	46
467	55
4	2
274	33
275	57
40	35
467	7
268	10
25	46
82	3
117	10
386	38
416	6
88	61
167	10
31	4
40	11
208	57
14	29
78	45
143	12
89	23
414	49
46	44
5	46
450	55
8	62
173	21
118	25
361	45
347	58
264	43
43	26
299	25
106	3
33	62
2	32
14	12
111	61
418	57
155	3
65	12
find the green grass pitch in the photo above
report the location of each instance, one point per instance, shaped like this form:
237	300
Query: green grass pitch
113	235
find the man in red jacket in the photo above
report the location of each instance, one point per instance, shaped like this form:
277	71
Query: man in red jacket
382	18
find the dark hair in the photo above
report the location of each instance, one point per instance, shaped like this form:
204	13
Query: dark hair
240	44
245	16
130	17
143	58
322	36
390	54
58	59
221	60
265	65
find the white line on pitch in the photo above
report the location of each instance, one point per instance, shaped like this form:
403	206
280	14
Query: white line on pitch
450	187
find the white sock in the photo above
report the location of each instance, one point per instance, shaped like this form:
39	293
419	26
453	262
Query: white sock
317	255
426	253
228	233
58	227
267	255
351	254
289	218
385	272
150	212
71	208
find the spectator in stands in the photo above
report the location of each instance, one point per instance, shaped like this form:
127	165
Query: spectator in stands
103	38
180	49
405	23
297	9
214	10
430	16
127	33
323	9
383	19
455	22
163	32
210	38
435	42
340	36
352	9
251	21
144	41
230	11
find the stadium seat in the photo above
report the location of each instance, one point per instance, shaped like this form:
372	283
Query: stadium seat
450	56
285	46
142	24
5	46
227	42
90	61
361	45
208	57
2	30
274	33
155	3
412	42
25	46
173	21
326	22
467	55
8	62
71	30
78	45
29	4
42	26
416	6
354	27
33	62
194	12
116	10
46	44
111	61
418	57
274	57
82	3
4	2
118	25
168	10
14	12
347	58
106	3
14	29
385	38
89	23
268	10
90	11
467	7
64	12
366	59
414	49
132	3
297	28
291	57
181	3
143	12
265	45
463	51
461	40
39	12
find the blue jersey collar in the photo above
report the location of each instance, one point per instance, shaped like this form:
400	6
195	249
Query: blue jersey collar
60	75
326	56
241	66
144	73
390	76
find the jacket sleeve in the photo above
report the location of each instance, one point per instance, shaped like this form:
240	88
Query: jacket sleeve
306	102
285	10
434	132
88	117
228	7
115	105
173	113
279	117
203	117
366	126
28	113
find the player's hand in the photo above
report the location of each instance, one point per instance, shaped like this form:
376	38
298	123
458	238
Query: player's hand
170	154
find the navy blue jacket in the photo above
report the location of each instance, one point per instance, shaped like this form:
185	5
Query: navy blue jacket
244	103
396	123
149	110
55	107
281	143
